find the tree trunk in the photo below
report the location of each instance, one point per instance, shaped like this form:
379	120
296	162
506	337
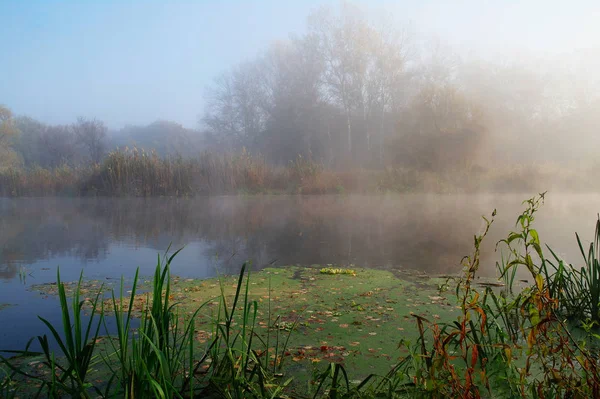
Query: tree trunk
381	132
330	144
349	132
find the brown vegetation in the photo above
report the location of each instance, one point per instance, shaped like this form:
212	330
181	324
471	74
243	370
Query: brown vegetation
142	174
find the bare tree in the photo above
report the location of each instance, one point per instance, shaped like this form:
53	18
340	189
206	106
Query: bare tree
365	65
91	134
344	44
235	114
59	147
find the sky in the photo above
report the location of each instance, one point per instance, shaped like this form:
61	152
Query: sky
134	62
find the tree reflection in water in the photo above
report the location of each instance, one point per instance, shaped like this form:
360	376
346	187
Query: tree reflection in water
429	233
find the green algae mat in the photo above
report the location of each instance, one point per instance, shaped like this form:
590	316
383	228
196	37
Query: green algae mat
357	319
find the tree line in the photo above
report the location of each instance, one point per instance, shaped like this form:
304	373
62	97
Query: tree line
27	143
354	92
351	92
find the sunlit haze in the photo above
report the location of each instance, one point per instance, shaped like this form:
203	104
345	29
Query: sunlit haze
136	62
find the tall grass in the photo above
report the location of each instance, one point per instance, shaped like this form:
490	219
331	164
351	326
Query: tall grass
63	180
7	385
157	360
516	343
133	172
160	358
77	341
139	173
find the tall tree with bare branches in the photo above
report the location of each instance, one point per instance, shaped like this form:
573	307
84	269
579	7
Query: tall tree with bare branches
91	135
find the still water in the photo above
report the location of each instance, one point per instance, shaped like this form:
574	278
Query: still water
107	238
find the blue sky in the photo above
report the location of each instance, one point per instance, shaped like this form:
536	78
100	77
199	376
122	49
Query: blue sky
132	62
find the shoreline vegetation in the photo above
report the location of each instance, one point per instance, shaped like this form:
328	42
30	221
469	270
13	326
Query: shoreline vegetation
137	173
330	332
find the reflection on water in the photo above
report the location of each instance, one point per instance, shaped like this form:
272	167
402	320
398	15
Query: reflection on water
108	238
428	233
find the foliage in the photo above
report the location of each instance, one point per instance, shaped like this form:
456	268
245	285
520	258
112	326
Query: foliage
76	341
160	358
7	385
506	345
577	290
157	360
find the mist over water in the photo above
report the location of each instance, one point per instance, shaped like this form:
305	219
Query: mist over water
109	238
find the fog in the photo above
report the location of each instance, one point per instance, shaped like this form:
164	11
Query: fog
431	85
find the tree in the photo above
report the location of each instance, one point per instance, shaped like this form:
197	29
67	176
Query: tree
344	44
165	137
388	81
91	135
441	129
8	132
59	147
293	98
364	67
235	114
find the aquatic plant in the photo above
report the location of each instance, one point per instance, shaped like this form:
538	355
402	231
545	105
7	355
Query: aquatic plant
504	345
161	357
137	172
77	342
332	270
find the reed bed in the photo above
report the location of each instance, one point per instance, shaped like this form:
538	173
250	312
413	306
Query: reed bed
134	172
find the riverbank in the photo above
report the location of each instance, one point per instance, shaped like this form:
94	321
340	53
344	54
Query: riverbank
136	173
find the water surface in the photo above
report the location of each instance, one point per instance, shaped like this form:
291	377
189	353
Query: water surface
107	238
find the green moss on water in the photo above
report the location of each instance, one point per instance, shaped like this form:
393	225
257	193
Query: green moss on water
87	287
357	320
354	319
